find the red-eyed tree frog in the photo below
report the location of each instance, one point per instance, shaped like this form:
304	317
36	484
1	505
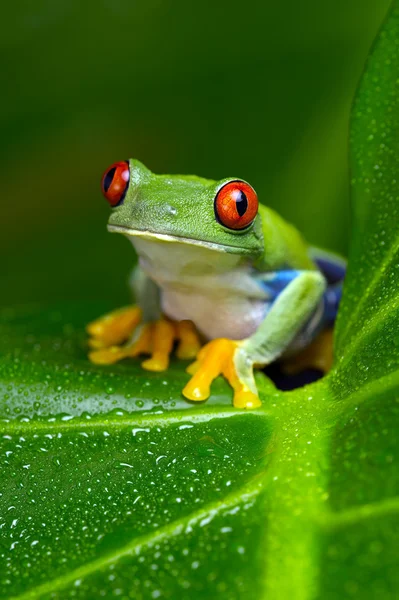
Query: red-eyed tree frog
214	266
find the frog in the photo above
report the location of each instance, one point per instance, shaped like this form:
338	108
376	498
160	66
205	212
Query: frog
221	279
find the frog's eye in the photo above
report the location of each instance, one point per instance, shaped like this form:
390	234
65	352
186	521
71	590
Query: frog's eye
236	205
115	182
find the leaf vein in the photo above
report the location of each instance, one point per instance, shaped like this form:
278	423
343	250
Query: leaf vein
378	319
380	272
357	514
372	389
158	420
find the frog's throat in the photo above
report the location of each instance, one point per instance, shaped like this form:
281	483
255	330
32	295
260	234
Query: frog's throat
165	237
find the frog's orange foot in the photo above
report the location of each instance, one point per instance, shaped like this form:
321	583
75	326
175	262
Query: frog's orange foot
113	354
318	355
156	339
214	359
113	329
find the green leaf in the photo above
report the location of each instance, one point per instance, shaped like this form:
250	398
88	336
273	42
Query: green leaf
113	485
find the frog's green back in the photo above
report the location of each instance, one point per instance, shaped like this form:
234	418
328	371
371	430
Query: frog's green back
284	245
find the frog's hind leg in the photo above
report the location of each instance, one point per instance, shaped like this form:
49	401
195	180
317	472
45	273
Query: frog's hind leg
319	353
236	359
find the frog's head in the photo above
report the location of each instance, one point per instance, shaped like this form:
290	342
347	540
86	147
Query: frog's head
220	215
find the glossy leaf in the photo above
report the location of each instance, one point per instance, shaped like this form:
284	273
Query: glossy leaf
112	485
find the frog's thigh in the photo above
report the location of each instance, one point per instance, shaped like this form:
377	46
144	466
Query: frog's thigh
289	313
235	360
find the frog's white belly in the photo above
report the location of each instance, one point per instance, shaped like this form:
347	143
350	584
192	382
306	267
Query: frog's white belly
213	289
234	317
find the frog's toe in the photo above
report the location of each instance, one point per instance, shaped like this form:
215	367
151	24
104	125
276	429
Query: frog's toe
162	335
107	356
244	398
189	342
113	354
219	357
209	364
239	373
114	328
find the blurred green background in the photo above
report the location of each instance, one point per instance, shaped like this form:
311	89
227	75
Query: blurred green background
257	89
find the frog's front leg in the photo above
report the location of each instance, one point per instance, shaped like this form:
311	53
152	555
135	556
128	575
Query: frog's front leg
156	339
141	329
119	326
159	341
113	328
236	359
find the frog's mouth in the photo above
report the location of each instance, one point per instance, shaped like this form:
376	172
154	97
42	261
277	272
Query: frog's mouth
166	237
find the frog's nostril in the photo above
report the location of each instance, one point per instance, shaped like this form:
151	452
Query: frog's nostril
171	210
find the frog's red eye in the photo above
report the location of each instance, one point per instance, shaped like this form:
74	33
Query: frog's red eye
236	205
115	182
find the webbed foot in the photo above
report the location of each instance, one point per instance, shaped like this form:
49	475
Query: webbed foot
156	339
222	357
113	328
